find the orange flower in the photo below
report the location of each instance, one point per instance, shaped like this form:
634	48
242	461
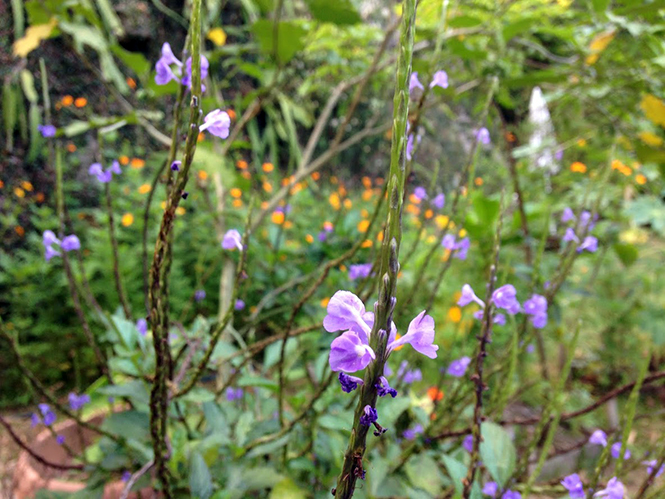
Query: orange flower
2	184
202	174
27	186
414	199
246	175
267	186
277	217
434	394
67	100
200	137
328	226
287	225
510	137
334	201
429	214
454	314
342	191
267	167
144	189
20	193
333	180
640	179
367	182
379	236
367	194
363	225
71	147
235	192
324	302
124	160
264	205
20	230
127	219
367	243
242	164
80	102
137	163
348	203
236	203
478	181
316	176
131	83
40	197
578	167
309	238
231	113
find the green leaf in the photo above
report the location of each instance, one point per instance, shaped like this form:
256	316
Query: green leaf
627	253
290	38
287	489
457	472
465	21
200	480
497	452
135	390
260	478
133	60
268	448
340	12
424	473
130	424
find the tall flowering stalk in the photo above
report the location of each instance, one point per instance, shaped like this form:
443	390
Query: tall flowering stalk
352	468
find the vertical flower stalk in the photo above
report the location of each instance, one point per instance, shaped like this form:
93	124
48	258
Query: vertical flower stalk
365	411
158	301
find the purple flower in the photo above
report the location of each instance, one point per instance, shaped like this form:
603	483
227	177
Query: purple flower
323	235
164	73
370	416
439	201
500	320
469	296
349	383
409	147
239	304
142	326
539	321
598	437
410	434
414	82
231	240
467	443
60	439
168	57
383	388
361	270
614	490
511	494
126	476
34	420
233	393
458	367
199	295
536	306
569	235
175	166
462	248
115	168
567	216
217	122
440	79
412	376
530	348
49	238
483	136
589	244
47	414
448	242
76	402
615	450
420	193
420	335
349	353
102	176
50	253
651	465
490	489
187	79
346	311
47	131
585	216
574	486
558	155
70	243
505	298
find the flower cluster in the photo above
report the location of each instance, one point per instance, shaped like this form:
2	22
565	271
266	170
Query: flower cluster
505	298
585	224
76	402
168	65
47	416
68	243
104	176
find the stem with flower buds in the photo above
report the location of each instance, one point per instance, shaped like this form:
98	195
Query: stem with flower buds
352	467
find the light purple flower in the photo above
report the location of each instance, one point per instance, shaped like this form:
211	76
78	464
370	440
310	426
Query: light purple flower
126	476
60	439
239	304
47	131
103	176
164	73
47	414
49	238
483	136
412	375
490	489
369	416
462	248
420	193
439	79
349	383
651	465
469	296
615	450
233	393
383	388
457	368
539	321
448	242
511	494
76	402
199	295
500	320
187	79
414	82
598	437
346	311
614	490
232	240
585	216
567	215
142	326
411	433
558	155
420	335
35	420
467	443
589	244
573	484
50	253
349	353
530	348
167	55
71	243
537	304
569	235
217	122
505	298
439	201
359	271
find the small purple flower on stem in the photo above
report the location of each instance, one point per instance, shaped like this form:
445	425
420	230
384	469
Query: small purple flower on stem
411	433
589	244
49	238
239	304
115	168
47	131
60	439
457	368
500	320
511	494
483	136
614	490
448	242
217	122
34	420
536	307
439	79
558	155
103	176
651	465
462	248
370	416
187	79
420	193
574	486
505	298
349	353
349	383
412	376
569	235
50	253
420	335
359	271
71	243
126	476
383	388
142	326
567	215
469	296
414	82
615	450
199	295
598	437
47	414
175	166
346	311
467	443
490	489
232	240
77	402
439	201
234	393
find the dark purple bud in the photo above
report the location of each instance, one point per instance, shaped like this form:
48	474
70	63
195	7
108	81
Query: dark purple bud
175	166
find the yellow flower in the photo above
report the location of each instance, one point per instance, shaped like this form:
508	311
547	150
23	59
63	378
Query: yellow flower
20	193
654	109
309	238
127	219
363	225
640	179
348	203
581	143
441	221
334	201
235	192
277	217
367	243
26	186
650	139
455	314
217	36
179	210
578	167
324	302
144	189
462	233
